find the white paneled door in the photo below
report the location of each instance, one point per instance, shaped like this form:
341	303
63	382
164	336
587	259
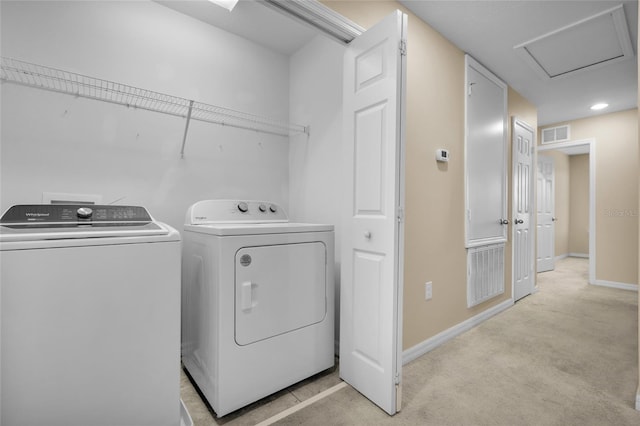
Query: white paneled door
546	219
371	270
523	145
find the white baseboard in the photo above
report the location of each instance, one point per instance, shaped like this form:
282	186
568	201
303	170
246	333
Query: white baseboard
638	399
440	338
582	255
564	256
614	284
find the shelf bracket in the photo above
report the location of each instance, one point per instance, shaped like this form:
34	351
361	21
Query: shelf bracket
186	129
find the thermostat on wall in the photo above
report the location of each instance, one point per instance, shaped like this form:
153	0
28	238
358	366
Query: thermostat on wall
442	155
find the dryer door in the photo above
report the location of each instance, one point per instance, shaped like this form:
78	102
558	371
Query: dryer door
278	289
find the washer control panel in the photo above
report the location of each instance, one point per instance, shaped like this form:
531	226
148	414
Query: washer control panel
52	215
233	211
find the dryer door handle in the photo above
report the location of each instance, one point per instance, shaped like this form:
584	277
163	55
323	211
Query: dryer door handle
246	297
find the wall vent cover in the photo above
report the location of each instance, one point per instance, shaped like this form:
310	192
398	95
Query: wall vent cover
485	273
593	42
556	134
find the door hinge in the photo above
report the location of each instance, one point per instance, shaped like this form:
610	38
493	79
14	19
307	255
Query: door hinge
400	214
403	47
398	393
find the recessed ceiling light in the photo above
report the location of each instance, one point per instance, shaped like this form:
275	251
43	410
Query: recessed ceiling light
227	4
598	107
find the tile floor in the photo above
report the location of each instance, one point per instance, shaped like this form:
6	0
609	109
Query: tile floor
203	415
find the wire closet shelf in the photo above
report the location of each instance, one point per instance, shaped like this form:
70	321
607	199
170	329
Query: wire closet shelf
33	75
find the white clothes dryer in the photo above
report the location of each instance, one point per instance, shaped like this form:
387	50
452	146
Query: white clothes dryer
257	300
90	317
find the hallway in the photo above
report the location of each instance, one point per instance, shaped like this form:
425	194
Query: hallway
566	355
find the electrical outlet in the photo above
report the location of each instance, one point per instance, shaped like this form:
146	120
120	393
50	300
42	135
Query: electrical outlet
428	290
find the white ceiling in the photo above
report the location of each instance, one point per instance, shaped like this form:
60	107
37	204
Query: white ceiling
487	30
249	20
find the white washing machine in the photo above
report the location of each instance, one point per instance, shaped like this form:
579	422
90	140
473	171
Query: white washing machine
90	317
257	301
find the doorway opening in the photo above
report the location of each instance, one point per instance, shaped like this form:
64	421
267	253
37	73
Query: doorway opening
585	146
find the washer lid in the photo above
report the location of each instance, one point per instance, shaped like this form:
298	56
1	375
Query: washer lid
225	229
65	221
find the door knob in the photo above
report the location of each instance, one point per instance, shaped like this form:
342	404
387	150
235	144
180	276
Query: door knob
367	235
553	219
504	221
519	221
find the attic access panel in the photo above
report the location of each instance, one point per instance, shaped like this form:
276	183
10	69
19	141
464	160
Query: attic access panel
592	42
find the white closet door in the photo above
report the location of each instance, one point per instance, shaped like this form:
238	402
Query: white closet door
371	275
546	210
485	156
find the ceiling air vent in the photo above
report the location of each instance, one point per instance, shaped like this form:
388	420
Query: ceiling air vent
599	40
555	134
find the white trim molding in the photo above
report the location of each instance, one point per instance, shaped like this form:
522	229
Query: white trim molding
315	14
614	284
565	255
581	255
638	398
431	343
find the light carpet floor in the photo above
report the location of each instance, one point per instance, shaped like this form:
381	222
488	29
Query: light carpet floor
566	355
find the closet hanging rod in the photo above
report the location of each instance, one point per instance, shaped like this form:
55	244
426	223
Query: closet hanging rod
56	80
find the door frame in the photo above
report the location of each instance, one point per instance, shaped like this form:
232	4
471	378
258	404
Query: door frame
590	144
532	201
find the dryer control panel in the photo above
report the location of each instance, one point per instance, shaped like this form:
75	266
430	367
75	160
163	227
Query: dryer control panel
234	211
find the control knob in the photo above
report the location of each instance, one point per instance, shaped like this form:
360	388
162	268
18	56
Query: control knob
243	207
273	208
262	208
84	212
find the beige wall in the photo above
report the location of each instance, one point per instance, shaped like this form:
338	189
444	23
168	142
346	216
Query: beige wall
579	204
616	151
434	229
